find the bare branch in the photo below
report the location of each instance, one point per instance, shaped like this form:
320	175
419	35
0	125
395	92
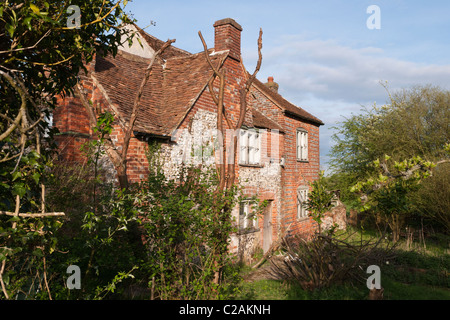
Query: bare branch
89	109
33	215
258	64
216	71
243	104
211	90
1	280
139	95
27	48
15	124
250	80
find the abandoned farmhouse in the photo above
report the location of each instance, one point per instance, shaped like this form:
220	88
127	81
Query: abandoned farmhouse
278	148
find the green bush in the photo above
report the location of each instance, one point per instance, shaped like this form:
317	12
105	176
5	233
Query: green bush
187	224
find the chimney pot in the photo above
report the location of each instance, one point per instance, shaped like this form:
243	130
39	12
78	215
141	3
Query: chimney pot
272	85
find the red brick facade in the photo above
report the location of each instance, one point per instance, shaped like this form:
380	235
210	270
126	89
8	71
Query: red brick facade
276	118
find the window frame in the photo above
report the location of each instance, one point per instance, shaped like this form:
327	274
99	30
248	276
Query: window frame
50	124
249	147
302	197
248	222
302	145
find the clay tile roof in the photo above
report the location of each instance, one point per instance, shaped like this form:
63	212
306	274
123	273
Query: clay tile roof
261	121
173	87
184	79
156	44
176	82
121	78
284	104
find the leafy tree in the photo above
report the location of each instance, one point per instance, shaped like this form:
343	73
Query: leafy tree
319	201
388	192
40	59
414	123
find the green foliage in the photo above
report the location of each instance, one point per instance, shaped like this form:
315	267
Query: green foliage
412	126
102	244
184	223
23	248
41	58
101	292
387	192
188	224
319	201
37	40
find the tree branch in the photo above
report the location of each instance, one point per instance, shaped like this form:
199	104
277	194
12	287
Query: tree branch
16	122
33	215
243	103
27	48
216	71
218	100
137	100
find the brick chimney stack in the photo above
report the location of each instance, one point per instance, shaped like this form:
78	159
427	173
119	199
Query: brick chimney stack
227	36
272	85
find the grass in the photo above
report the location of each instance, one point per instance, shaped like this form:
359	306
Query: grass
416	273
284	290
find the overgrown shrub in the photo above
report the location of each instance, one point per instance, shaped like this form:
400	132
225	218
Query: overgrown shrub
188	224
326	260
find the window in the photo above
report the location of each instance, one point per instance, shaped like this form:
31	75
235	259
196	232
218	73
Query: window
250	149
302	198
247	220
49	120
302	145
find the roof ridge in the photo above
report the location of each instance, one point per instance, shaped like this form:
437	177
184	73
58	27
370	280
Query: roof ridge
133	57
285	104
274	123
145	34
196	95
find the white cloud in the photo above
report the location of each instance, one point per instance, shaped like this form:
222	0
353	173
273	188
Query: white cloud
331	80
331	71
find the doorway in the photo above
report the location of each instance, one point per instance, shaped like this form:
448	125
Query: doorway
267	227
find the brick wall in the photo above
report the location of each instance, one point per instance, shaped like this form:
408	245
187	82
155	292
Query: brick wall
72	120
298	173
295	173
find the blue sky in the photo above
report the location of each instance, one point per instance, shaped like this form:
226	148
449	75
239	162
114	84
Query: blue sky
321	53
